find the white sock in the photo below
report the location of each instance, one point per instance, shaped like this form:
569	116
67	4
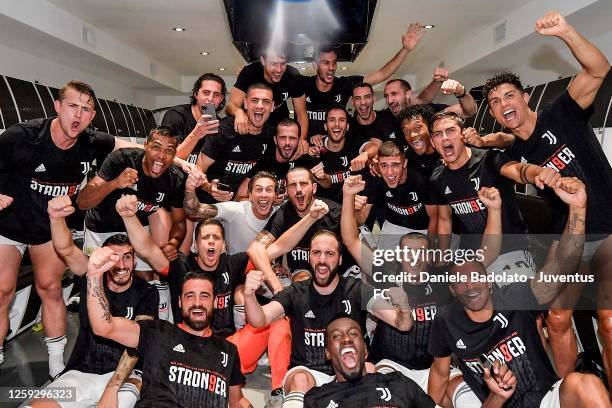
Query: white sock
165	312
127	396
1	354
294	399
55	348
239	317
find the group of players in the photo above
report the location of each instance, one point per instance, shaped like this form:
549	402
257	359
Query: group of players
247	230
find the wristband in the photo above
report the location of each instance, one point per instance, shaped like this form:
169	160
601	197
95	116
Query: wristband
462	95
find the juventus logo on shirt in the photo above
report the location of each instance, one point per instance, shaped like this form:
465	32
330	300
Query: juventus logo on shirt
160	197
344	161
285	95
501	319
224	359
428	290
225	278
86	167
347	306
130	313
552	139
476	181
385	393
337	99
413	196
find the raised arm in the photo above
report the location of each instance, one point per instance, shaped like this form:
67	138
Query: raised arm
195	210
257	315
395	310
301	115
97	189
498	140
58	209
348	224
467	105
119	329
430	92
409	42
595	66
139	237
492	236
234	108
567	256
525	173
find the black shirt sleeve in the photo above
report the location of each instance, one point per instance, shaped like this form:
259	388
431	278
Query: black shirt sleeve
8	141
214	146
285	298
248	76
497	159
296	85
148	331
236	377
239	263
435	196
112	167
276	223
179	191
568	108
438	339
176	122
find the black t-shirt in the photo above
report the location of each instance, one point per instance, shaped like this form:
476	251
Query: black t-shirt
99	355
564	140
290	86
181	121
410	348
510	336
309	314
166	191
393	390
383	128
228	275
235	155
33	170
405	204
183	370
459	188
425	163
336	165
317	102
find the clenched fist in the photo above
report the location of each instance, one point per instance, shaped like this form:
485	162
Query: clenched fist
127	206
60	207
127	178
253	281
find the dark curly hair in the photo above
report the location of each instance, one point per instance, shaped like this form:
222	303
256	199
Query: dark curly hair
499	79
208	77
424	112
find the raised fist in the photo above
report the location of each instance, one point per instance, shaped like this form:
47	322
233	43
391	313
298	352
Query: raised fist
253	281
127	206
552	23
353	185
452	87
490	197
318	209
127	178
60	207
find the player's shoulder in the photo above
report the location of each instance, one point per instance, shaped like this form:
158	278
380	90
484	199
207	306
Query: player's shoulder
32	131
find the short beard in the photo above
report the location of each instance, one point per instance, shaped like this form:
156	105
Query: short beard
199	325
330	278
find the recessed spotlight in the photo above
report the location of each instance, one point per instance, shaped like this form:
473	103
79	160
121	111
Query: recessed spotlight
205	53
221	69
303	68
344	68
179	29
300	62
428	26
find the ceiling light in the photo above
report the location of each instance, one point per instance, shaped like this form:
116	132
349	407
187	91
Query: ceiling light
221	69
428	26
205	53
303	68
344	68
179	29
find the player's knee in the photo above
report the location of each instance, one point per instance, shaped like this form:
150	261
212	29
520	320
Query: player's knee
300	276
559	321
605	323
301	381
50	293
583	385
239	295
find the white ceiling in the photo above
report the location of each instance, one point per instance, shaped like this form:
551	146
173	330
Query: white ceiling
146	26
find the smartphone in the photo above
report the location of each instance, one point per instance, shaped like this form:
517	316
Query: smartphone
223	187
282	188
484	362
209	109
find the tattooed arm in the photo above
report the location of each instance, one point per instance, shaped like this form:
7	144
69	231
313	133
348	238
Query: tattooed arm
573	192
119	329
195	210
124	368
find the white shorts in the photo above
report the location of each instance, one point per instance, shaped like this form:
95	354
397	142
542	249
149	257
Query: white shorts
551	399
88	387
93	240
421	377
390	235
519	262
319	377
21	247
